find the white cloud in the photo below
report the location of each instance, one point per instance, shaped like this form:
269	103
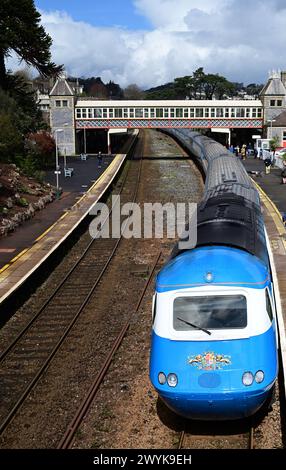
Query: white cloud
170	14
240	39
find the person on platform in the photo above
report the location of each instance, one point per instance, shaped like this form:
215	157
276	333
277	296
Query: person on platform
267	163
243	152
283	176
99	157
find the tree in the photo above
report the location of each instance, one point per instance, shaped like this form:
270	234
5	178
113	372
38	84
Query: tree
41	146
162	92
98	89
254	89
184	87
11	141
274	143
133	92
216	85
21	32
114	91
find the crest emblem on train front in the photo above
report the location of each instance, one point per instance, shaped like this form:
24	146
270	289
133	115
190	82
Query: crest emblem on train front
209	361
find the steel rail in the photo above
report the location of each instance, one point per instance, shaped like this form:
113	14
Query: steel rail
46	363
57	289
67	440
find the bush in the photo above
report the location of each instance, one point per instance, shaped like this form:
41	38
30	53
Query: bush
22	202
41	147
11	140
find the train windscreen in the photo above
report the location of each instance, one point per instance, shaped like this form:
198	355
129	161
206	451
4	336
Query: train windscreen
210	312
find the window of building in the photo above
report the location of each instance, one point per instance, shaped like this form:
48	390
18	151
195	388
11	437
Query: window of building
78	113
212	112
83	113
179	112
240	112
207	112
219	112
58	103
104	113
139	112
125	112
272	102
172	112
131	113
111	112
146	113
199	112
284	135
247	113
254	112
232	112
192	112
226	112
166	112
159	112
118	112
186	112
279	102
259	112
65	103
90	113
152	112
97	112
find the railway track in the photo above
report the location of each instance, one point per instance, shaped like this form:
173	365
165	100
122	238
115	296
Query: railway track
28	356
67	440
190	440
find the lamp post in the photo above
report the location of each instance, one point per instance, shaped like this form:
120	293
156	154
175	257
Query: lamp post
57	171
84	139
65	151
271	128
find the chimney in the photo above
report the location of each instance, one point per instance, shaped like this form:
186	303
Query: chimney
283	77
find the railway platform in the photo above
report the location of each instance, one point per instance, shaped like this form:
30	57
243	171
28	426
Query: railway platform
273	198
55	224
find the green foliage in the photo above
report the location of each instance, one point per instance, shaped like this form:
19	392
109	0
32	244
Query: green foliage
203	86
274	143
200	86
27	163
21	31
162	92
22	202
11	140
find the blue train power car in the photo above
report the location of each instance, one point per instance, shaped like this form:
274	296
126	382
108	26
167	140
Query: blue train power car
214	336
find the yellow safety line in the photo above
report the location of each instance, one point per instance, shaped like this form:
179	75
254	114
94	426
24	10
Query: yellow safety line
19	255
110	166
45	232
4	268
276	217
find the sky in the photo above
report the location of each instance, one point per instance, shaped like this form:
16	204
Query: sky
150	42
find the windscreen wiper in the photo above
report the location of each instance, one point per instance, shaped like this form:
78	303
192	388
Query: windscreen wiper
194	326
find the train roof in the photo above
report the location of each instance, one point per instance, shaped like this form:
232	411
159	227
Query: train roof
229	266
230	212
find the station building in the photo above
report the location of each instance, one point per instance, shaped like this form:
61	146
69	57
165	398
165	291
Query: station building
77	121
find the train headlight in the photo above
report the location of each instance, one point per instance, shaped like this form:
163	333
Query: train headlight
162	378
259	376
172	380
247	379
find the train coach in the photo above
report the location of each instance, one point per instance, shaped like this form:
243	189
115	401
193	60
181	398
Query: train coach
214	333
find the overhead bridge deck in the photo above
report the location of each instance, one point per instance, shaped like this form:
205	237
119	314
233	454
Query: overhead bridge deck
95	114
